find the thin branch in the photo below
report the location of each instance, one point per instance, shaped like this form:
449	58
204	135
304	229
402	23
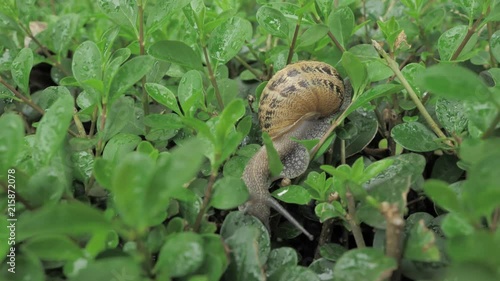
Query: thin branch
330	34
393	65
294	41
206	201
211	75
145	96
351	219
22	97
469	34
324	237
78	123
393	234
248	67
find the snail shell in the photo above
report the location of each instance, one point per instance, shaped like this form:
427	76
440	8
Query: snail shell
298	102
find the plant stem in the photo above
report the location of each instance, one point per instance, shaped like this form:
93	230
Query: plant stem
351	219
492	57
78	123
330	34
145	97
206	201
330	130
22	97
211	75
342	152
324	237
469	34
248	67
393	65
394	229
100	143
294	40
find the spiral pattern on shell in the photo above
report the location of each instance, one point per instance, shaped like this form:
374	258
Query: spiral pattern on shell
303	90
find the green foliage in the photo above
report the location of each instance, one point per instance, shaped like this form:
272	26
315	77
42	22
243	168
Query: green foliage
125	127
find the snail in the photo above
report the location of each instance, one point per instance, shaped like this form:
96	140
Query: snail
298	102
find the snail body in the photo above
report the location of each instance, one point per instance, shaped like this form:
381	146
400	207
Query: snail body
297	103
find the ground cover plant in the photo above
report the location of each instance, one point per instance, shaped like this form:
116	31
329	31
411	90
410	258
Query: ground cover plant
126	125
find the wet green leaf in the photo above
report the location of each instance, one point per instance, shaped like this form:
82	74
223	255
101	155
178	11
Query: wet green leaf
273	21
54	248
108	268
11	140
86	64
341	23
329	210
293	273
451	114
281	257
229	192
128	74
181	254
495	45
415	136
295	194
227	39
21	68
52	129
364	264
164	96
63	31
312	35
72	218
332	251
161	13
176	52
190	92
356	71
323	268
451	39
123	12
275	165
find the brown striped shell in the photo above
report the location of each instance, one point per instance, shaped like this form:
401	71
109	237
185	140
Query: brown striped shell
303	90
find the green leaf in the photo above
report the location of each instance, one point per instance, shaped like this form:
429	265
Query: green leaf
128	74
72	218
176	52
228	118
451	114
174	171
375	169
62	32
455	225
451	39
228	38
495	44
329	210
215	261
119	146
246	266
181	254
164	96
294	194
32	268
161	13
421	244
332	251
130	184
11	138
123	12
366	264
273	21
373	93
229	192
21	68
87	62
415	136
441	194
53	126
323	268
190	92
54	248
169	121
279	258
341	23
442	80
312	35
356	71
275	165
293	273
109	268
